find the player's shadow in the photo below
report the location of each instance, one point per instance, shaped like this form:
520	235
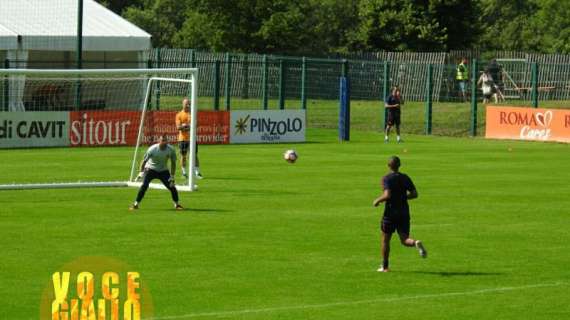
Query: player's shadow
205	210
197	210
264	193
231	178
458	273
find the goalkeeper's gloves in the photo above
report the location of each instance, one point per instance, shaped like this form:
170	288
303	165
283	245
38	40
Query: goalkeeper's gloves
171	181
140	176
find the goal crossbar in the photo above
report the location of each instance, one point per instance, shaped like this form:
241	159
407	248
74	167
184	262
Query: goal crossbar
148	72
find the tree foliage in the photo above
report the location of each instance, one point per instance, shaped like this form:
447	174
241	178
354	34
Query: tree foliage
551	27
506	24
325	26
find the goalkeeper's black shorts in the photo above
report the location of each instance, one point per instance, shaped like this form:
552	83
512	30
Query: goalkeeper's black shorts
163	176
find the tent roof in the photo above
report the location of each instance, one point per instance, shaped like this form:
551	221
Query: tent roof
52	25
8	39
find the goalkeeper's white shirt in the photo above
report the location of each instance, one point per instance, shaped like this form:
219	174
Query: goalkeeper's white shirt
157	159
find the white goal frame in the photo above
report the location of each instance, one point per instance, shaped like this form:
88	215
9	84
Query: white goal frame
153	75
191	186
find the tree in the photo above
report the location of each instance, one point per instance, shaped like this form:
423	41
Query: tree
160	18
222	25
459	20
506	25
334	23
550	29
278	26
311	27
411	25
118	6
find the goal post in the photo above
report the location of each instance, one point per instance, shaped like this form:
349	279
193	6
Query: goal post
191	156
109	107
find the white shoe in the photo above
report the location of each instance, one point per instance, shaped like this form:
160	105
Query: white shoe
381	269
421	249
199	175
386	140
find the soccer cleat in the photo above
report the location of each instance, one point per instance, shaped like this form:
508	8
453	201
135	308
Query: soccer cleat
386	140
381	269
133	207
178	207
421	249
199	175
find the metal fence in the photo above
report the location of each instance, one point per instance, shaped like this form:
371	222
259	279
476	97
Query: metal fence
247	76
233	80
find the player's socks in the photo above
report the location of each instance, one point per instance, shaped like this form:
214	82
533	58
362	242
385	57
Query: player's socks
184	172
422	250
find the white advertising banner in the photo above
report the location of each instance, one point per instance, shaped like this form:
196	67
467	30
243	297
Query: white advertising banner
267	126
34	129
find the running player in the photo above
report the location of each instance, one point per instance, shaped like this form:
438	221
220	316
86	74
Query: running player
398	189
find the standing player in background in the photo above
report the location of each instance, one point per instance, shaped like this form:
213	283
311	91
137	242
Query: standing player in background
154	166
392	104
183	127
398	188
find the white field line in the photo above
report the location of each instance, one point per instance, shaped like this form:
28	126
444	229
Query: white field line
356	302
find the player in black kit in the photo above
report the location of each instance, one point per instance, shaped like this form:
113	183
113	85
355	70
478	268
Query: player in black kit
398	189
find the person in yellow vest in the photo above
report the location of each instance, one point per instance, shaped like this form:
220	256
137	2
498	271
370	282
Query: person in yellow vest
462	76
183	127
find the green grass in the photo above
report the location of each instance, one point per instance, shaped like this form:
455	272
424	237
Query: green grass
263	239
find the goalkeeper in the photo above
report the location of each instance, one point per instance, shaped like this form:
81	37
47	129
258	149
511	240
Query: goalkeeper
154	166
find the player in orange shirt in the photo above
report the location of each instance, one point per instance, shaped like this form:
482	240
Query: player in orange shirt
183	126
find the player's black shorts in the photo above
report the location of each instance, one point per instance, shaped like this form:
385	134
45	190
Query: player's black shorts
163	176
391	225
393	118
185	146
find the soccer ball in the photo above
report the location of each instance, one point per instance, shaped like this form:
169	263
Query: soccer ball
290	156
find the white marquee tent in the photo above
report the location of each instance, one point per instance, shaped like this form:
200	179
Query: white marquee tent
8	39
43	34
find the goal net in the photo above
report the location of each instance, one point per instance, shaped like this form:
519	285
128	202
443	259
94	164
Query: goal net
514	77
120	111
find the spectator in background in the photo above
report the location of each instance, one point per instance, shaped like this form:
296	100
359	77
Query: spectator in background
462	76
496	72
486	82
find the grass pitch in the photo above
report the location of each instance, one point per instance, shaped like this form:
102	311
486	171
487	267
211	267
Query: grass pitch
263	239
